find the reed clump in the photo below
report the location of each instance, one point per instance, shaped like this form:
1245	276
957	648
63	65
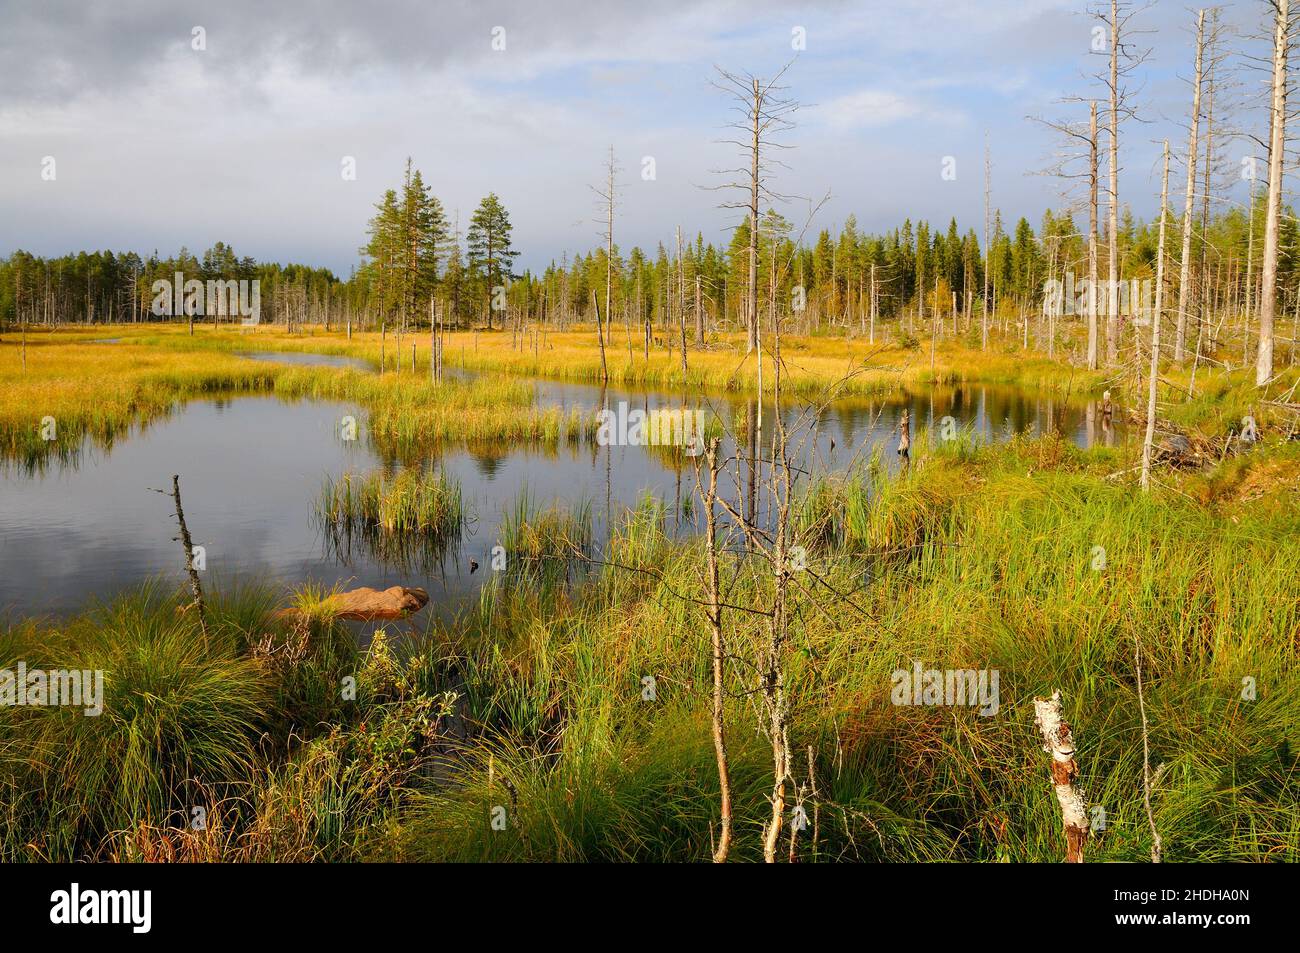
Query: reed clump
411	501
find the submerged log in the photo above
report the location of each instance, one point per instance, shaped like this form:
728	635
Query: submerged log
371	605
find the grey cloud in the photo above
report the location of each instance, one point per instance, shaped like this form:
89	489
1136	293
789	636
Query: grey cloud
51	52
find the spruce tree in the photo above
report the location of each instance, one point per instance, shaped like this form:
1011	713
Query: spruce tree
491	256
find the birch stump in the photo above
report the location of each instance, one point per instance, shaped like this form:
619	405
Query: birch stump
1058	741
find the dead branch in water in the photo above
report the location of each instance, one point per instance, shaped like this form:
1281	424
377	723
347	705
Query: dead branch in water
196	588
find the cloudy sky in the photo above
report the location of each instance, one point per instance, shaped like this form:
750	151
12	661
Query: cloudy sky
158	144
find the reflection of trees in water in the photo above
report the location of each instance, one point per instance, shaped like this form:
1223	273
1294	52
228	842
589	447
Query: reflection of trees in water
347	542
990	411
488	462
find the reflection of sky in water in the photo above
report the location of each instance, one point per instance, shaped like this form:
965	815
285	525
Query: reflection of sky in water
251	469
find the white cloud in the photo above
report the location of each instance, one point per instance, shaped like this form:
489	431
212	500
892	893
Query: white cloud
872	108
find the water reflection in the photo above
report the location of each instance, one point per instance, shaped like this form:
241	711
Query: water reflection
304	359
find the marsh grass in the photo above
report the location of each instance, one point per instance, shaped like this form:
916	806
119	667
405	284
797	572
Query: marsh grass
966	560
813	362
245	728
534	534
417	501
97	393
681	448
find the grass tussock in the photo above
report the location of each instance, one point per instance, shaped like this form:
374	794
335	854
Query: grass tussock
408	518
415	501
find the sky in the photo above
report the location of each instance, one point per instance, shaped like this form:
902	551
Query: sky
181	123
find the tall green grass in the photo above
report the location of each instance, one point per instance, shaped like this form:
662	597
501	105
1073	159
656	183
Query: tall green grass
533	534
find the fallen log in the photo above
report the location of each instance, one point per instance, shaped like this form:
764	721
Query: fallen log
370	605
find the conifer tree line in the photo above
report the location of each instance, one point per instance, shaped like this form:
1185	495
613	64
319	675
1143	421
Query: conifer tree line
413	256
105	287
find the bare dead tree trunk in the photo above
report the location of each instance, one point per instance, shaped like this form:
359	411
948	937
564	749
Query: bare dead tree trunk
1193	150
609	248
1157	847
773	676
600	338
765	113
988	253
1204	298
1276	147
196	588
699	313
607	196
1155	329
1092	236
641	309
1250	277
681	298
751	341
1058	741
1112	227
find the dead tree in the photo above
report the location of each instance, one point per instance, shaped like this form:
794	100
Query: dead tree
1092	236
1081	145
607	197
681	298
1123	59
1193	151
714	613
765	113
604	369
1155	328
1273	212
699	312
1148	780
1214	57
772	675
988	256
